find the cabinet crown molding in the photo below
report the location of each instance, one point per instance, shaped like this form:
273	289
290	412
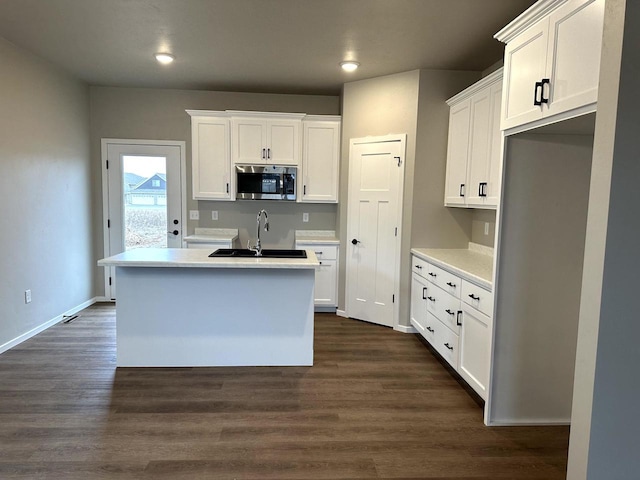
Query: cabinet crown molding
206	113
245	113
322	118
531	15
481	84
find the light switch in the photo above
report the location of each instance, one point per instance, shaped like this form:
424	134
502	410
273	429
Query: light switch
214	214
486	228
305	217
194	215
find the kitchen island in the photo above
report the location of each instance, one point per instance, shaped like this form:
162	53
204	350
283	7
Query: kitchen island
179	307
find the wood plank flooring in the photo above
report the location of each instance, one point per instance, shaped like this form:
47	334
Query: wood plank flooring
376	404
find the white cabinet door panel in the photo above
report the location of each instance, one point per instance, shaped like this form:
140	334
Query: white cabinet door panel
457	153
479	146
283	142
211	163
249	140
320	162
524	65
575	41
474	349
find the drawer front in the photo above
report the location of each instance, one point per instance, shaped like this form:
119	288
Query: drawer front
444	307
209	246
445	280
477	297
431	327
323	252
445	342
419	266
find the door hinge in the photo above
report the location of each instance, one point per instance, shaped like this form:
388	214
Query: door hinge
393	298
107	164
109	280
108	223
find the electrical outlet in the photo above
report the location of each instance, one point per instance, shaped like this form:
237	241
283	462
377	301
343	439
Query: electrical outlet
27	296
486	228
214	214
305	217
194	215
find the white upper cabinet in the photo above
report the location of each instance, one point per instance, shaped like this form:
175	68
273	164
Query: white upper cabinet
211	156
475	145
552	61
320	159
266	138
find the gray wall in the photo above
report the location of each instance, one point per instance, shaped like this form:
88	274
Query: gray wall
544	214
157	114
412	103
45	192
478	220
605	420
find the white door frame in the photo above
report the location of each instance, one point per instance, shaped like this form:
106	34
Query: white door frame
105	142
402	138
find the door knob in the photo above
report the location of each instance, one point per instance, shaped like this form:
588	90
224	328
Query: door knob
355	242
175	232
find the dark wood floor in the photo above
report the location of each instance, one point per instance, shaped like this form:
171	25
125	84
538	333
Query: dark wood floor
376	404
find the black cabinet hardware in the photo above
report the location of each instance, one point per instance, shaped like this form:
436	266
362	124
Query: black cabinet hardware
452	285
473	297
431	299
430	329
268	153
543	99
462	189
264	153
536	89
419	267
458	318
304	189
399	160
227	188
450	312
482	189
431	274
448	346
424	293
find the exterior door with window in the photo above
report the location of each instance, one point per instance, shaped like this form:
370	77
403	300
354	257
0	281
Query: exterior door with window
143	198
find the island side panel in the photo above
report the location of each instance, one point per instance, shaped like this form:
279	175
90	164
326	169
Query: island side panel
173	317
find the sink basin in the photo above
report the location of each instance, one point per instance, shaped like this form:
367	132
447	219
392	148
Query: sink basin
266	253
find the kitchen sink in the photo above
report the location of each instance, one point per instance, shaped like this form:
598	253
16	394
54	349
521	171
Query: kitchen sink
266	253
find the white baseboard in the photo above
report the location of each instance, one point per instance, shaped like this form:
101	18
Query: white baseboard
40	328
405	329
538	422
324	309
102	299
342	313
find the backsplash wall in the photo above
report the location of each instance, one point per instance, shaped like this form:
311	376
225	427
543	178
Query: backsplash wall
478	220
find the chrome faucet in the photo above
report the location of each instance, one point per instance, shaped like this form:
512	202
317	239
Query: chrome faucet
258	247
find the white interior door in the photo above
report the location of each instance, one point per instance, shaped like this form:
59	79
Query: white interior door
143	198
374	214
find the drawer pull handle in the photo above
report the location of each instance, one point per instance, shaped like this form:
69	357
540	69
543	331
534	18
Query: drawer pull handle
450	312
473	297
431	274
424	293
448	346
452	285
318	253
418	267
431	329
458	320
320	263
431	299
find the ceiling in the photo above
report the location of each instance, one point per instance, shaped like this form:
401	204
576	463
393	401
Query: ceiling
280	46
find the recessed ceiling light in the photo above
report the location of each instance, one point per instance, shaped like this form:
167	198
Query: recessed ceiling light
164	58
349	66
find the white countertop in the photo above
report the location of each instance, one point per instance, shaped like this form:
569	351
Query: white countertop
199	258
471	264
212	235
319	237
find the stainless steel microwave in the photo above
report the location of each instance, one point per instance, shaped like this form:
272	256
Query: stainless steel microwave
265	182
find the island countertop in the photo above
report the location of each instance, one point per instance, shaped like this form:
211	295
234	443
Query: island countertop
199	258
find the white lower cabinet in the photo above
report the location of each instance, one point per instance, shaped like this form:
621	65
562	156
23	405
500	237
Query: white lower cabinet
456	327
326	287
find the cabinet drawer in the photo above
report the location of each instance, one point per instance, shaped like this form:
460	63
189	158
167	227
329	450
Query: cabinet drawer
477	297
431	326
419	266
445	342
323	252
209	246
445	307
445	280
